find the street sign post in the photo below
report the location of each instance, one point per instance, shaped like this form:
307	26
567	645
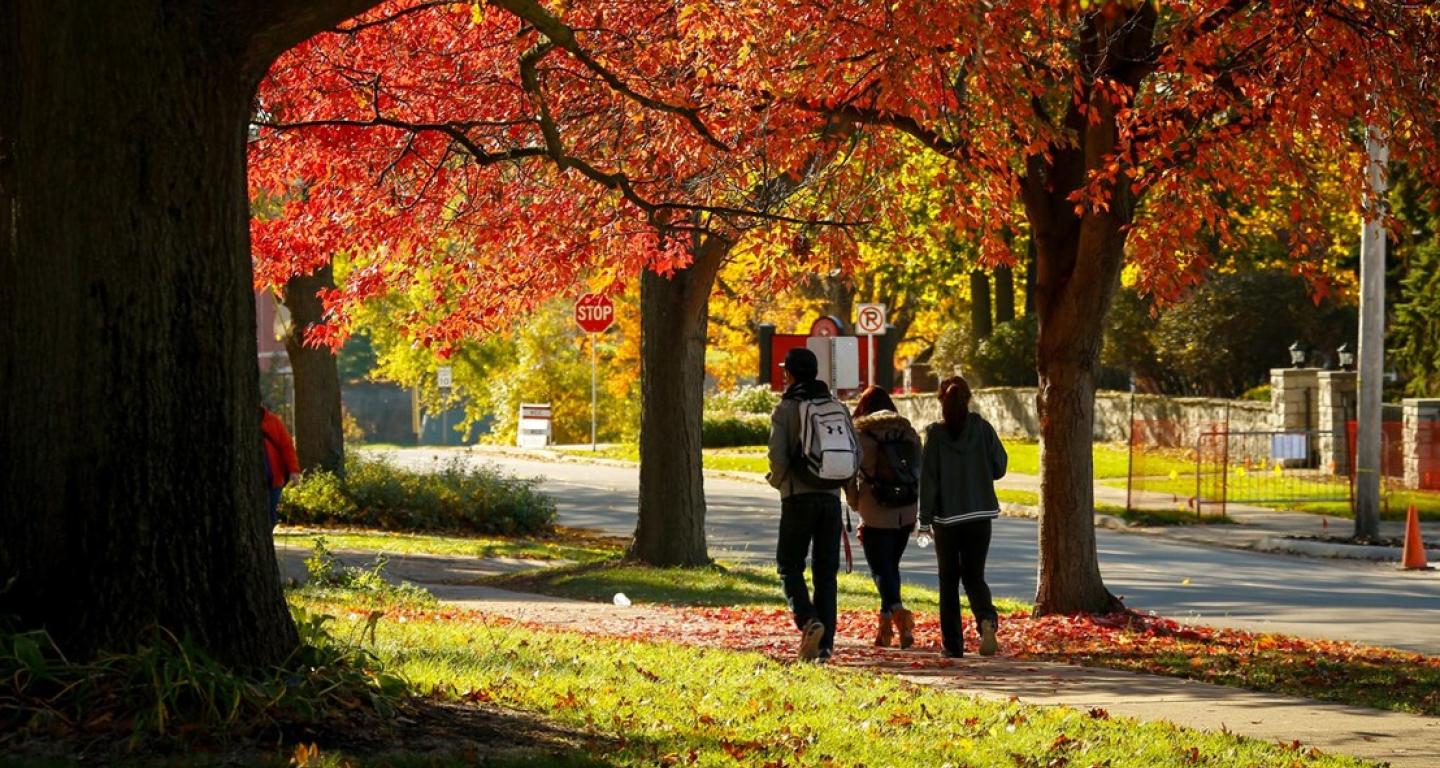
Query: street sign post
445	379
594	313
870	322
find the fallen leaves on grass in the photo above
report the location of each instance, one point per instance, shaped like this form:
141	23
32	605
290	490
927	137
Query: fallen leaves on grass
1317	669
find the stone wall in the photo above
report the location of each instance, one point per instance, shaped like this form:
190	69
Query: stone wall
1012	411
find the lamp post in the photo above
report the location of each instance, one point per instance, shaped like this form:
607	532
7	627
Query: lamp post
1297	355
1345	357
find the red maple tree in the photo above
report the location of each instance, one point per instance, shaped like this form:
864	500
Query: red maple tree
1115	133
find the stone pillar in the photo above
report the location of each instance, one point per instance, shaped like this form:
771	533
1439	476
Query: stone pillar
1335	404
1294	399
1422	442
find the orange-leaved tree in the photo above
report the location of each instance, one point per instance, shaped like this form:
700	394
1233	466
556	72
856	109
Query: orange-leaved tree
543	156
1123	129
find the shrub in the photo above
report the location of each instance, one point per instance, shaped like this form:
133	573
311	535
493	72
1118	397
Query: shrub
749	399
732	430
1006	358
377	494
328	576
1258	394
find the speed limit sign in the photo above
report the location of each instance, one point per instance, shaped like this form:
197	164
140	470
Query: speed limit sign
870	320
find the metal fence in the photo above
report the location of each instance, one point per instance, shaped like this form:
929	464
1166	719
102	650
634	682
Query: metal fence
1273	467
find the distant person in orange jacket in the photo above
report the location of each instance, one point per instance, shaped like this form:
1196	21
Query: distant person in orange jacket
281	463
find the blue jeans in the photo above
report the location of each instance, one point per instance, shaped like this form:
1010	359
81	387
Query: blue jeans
883	549
274	500
810	522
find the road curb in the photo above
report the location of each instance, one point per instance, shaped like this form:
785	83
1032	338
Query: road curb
1333	550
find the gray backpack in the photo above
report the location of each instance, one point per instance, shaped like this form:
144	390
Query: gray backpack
829	453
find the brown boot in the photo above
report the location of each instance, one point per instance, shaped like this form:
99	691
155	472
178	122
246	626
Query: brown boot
905	623
884	632
988	644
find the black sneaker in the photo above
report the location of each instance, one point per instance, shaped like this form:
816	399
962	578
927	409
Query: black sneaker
810	638
824	657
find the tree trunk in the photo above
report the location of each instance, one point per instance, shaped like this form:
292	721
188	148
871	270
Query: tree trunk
1004	294
1078	271
1071	323
674	317
319	433
131	487
1030	268
980	323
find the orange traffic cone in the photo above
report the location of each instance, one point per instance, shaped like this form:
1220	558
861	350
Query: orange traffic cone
1413	557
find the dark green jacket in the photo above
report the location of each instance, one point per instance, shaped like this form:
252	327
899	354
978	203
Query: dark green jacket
958	474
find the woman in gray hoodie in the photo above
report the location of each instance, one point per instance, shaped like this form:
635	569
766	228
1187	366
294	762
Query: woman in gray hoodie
884	492
962	460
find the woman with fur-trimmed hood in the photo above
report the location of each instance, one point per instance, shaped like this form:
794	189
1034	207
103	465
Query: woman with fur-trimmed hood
885	493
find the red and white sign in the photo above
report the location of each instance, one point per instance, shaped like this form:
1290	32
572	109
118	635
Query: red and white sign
870	320
594	313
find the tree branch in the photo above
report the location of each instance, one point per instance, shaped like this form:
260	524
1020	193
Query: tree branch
561	35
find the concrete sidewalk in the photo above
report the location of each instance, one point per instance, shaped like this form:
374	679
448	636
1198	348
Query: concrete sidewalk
1260	529
1405	741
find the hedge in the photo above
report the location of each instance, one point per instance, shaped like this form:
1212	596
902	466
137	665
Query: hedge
455	497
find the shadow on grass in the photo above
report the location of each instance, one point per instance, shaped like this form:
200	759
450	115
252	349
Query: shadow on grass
433	731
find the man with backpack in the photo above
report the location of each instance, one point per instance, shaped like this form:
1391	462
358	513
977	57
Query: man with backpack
885	492
813	453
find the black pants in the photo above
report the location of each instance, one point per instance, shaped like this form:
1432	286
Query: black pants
810	522
883	549
960	551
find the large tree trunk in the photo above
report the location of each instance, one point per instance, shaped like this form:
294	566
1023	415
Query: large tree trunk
981	324
319	433
1077	256
674	316
131	486
1004	294
1071	323
1031	263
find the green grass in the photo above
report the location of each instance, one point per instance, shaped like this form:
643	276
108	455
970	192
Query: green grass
1111	460
1133	516
565	545
664	704
1161	516
1260	485
722	584
1012	496
746	459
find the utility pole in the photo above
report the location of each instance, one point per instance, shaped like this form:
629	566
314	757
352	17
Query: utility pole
1372	343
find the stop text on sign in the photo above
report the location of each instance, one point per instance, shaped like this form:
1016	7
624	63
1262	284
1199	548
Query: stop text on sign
594	313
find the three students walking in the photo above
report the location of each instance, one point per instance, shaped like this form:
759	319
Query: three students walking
948	487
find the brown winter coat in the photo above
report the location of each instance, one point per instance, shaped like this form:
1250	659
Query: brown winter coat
870	430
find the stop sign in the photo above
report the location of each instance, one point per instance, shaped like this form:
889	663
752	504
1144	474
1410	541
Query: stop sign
594	313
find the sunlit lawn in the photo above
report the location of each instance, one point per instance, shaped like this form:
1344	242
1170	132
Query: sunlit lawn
1111	460
720	585
656	703
1319	669
564	545
1271	489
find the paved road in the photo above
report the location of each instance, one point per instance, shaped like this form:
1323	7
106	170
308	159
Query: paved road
1345	600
